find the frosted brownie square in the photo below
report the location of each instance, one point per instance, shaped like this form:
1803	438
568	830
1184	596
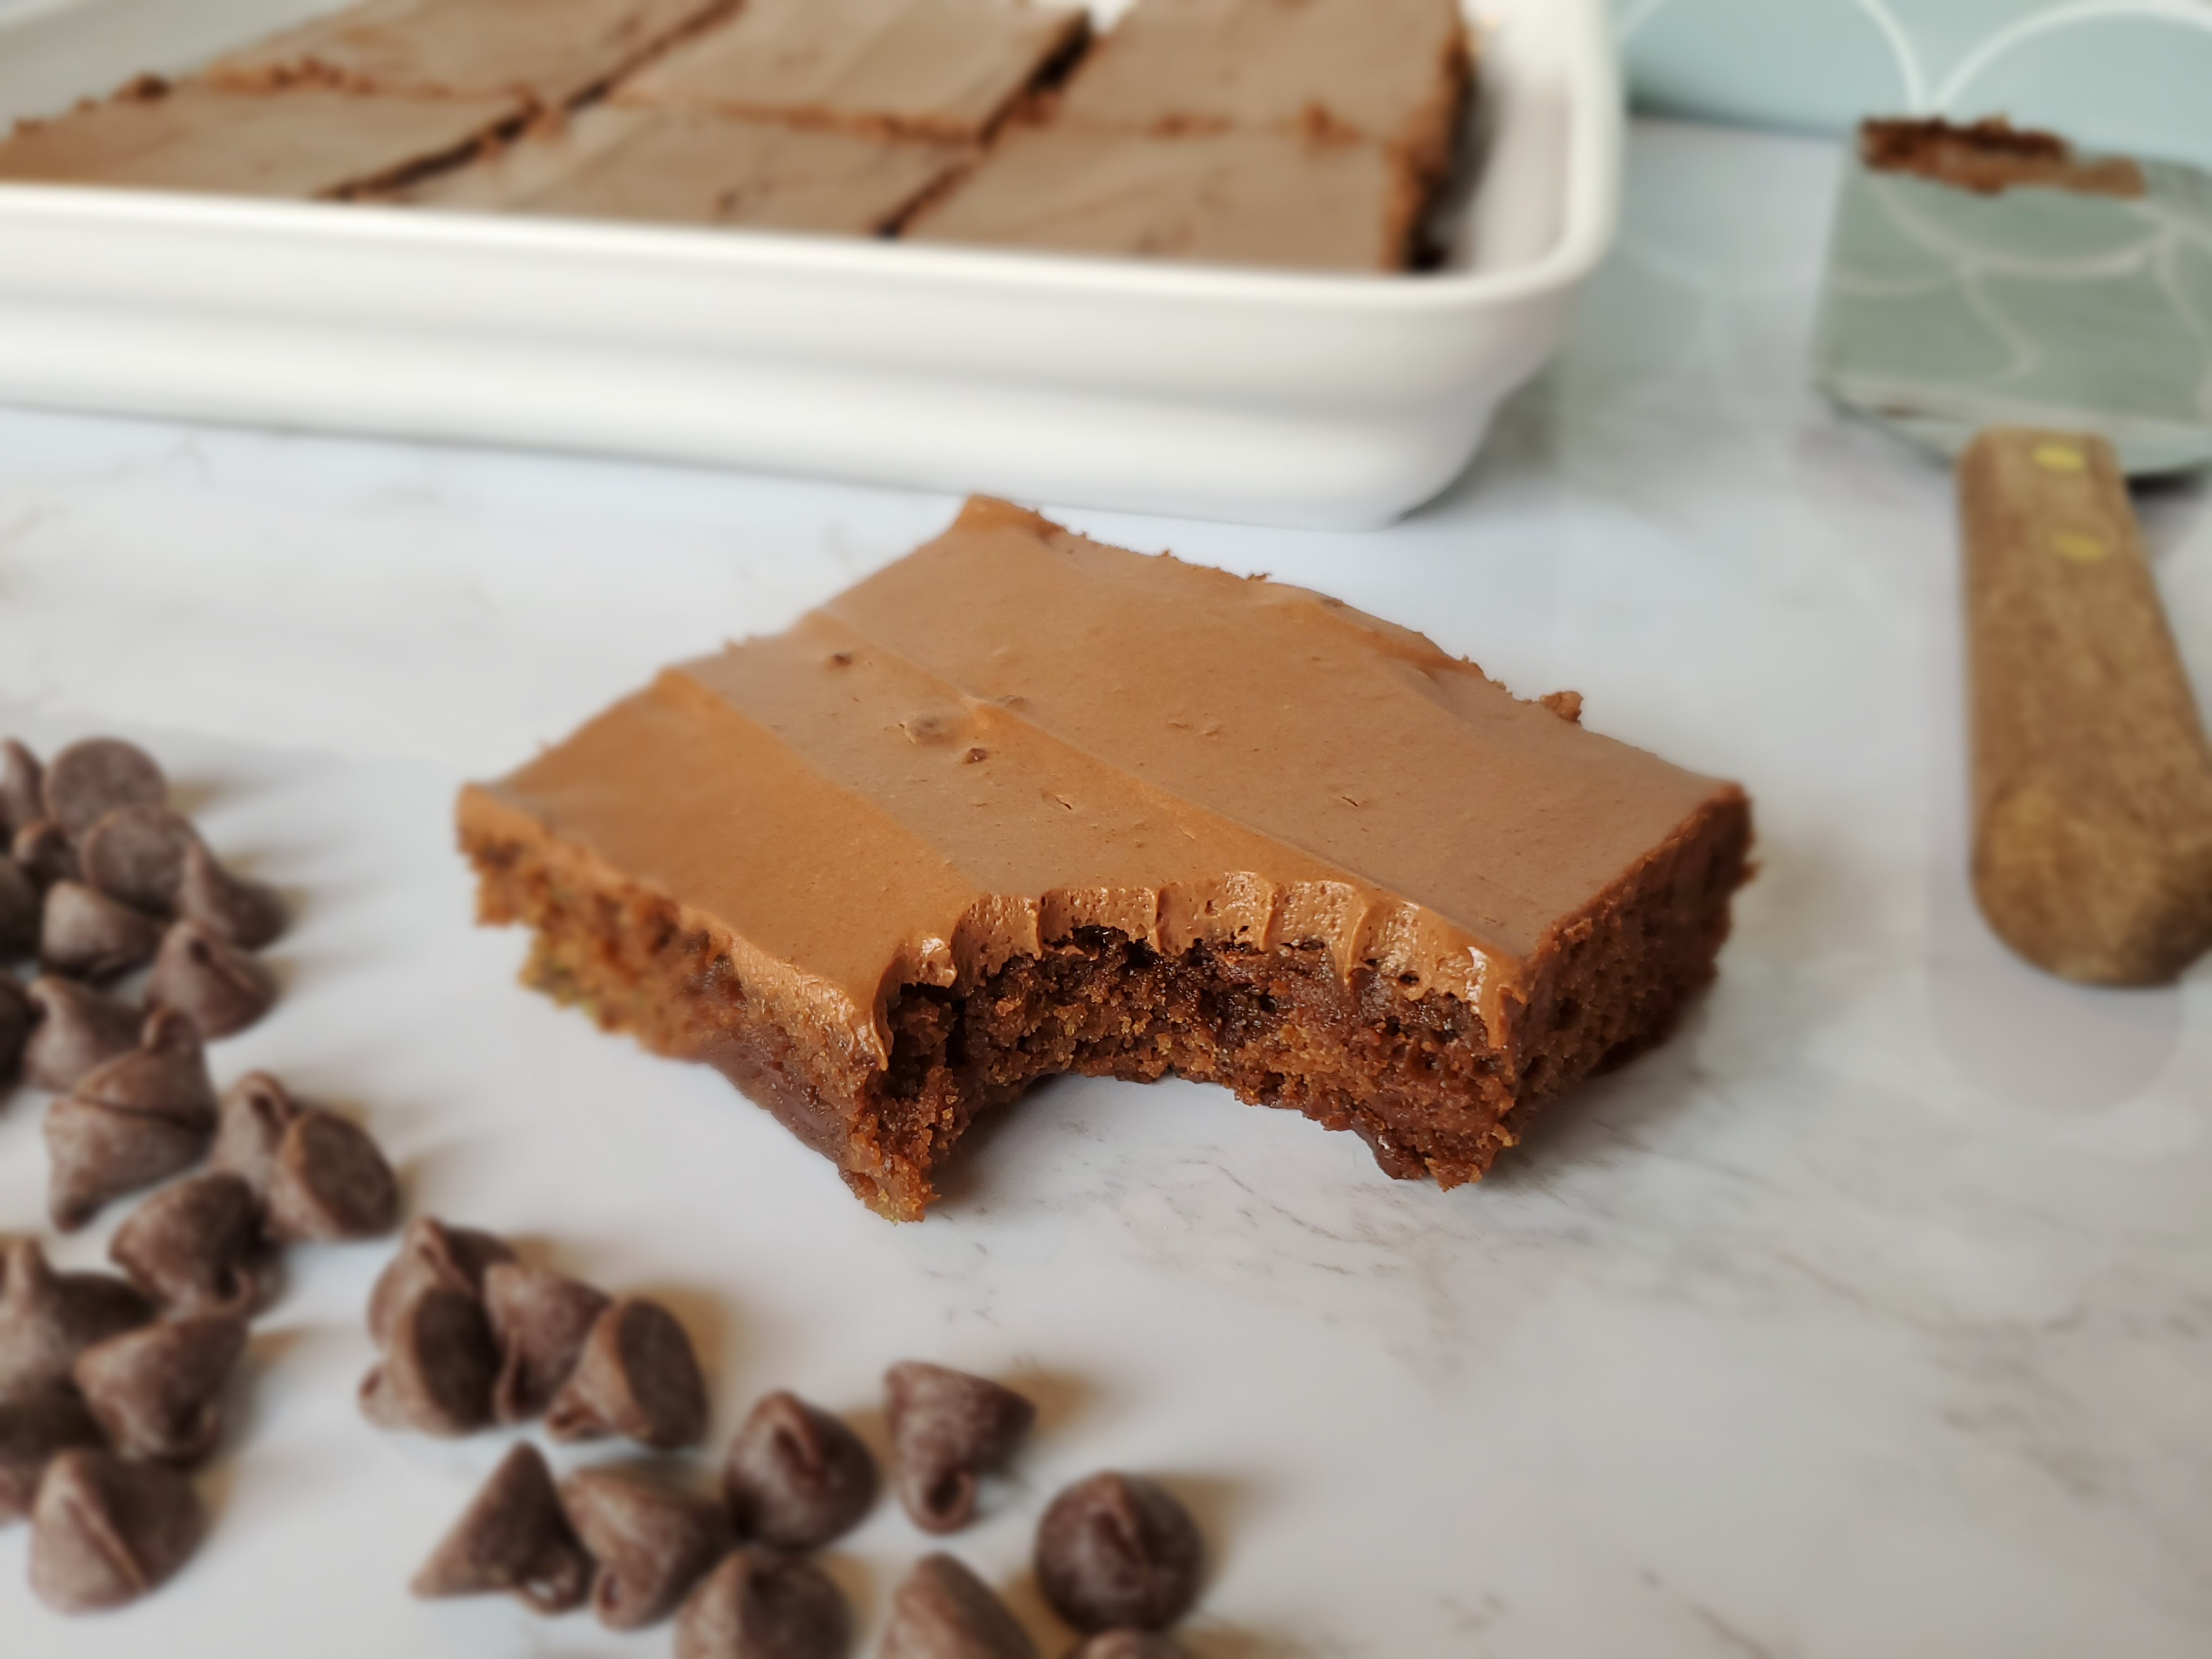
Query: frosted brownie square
1259	198
942	69
551	52
304	142
1023	804
686	166
1392	71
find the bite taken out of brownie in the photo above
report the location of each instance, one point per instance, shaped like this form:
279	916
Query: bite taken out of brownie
1022	804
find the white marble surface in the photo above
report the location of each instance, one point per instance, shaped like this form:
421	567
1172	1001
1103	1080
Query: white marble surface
1872	1315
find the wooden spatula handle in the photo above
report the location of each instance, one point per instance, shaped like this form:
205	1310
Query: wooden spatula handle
2092	784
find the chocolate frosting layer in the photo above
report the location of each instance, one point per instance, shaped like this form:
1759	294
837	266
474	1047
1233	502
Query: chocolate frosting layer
1261	197
550	52
947	69
686	166
1386	69
307	141
1016	731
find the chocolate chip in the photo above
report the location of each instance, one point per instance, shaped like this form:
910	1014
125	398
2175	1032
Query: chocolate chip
1127	1644
513	1539
943	1610
132	1121
243	912
89	780
796	1476
157	1390
47	1319
105	1532
17	1016
540	1320
41	850
254	1113
637	1377
220	987
166	1074
756	1606
652	1544
98	1153
78	1028
1118	1551
88	935
21	908
22	794
431	1254
31	1432
948	1428
331	1183
190	1246
436	1374
136	854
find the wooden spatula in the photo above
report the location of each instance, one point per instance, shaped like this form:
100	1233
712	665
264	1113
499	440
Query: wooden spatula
2093	783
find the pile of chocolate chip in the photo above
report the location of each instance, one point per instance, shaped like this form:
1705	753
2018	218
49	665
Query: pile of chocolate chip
110	1384
100	879
471	1336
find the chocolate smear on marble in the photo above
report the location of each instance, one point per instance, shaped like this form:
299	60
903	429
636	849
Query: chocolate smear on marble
433	1255
84	933
48	1318
948	1429
944	1611
540	1320
90	779
190	1245
157	1390
1118	1551
652	1544
240	912
22	793
134	1121
41	850
20	912
32	1432
760	1605
104	1532
331	1183
250	1120
438	1367
219	987
78	1028
637	1377
1127	1644
17	1017
797	1477
513	1538
136	854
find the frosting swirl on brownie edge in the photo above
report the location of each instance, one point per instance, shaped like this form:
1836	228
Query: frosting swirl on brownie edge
1016	733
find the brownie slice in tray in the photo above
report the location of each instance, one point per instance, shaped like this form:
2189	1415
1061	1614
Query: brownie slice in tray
1235	197
696	168
940	69
304	142
550	52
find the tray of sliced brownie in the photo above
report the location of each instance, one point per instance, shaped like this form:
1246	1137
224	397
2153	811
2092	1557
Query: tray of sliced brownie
1233	258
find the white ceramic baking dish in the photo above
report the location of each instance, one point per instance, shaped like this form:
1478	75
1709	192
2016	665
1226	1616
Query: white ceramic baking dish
1207	392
